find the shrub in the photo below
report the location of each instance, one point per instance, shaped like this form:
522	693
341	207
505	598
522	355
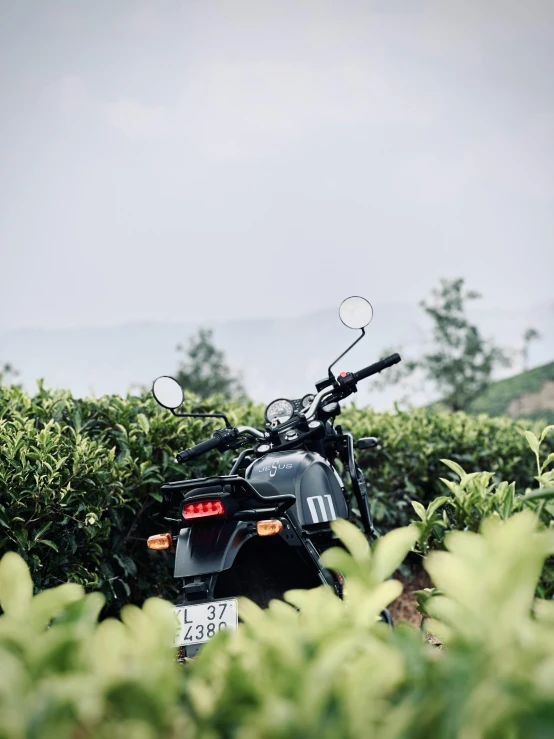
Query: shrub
333	671
315	667
408	463
66	676
79	478
473	497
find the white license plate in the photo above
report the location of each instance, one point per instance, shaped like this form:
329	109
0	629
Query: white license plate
200	622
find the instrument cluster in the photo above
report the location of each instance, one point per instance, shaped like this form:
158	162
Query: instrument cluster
282	409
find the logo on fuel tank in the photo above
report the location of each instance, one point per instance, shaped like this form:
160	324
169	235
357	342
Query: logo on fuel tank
275	467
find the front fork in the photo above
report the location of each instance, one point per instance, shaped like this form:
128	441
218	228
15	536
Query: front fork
359	485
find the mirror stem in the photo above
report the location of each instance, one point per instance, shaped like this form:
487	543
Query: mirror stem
345	352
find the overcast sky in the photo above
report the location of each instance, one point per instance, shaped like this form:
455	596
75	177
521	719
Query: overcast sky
190	160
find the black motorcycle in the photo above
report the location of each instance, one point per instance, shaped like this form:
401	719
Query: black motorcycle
260	530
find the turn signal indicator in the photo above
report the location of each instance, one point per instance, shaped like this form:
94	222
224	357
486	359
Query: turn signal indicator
160	541
269	528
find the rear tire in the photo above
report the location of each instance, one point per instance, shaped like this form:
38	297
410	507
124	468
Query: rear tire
265	568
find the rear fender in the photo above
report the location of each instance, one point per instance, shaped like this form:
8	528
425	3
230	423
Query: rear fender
210	547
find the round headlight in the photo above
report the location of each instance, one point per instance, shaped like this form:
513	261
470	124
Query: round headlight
280	410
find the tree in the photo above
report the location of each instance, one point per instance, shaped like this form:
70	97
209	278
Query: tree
462	362
7	371
530	335
204	370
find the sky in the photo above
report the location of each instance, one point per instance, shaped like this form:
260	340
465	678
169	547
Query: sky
195	160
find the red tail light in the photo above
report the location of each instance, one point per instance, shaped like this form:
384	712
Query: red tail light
203	509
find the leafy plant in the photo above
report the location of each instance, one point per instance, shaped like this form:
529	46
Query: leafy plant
320	667
79	486
80	478
475	497
407	464
64	675
313	667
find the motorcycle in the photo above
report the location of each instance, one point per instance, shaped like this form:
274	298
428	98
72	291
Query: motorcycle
260	530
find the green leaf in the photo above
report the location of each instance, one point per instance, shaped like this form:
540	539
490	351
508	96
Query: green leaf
547	461
546	431
455	467
46	604
419	509
352	538
43	530
143	422
508	502
543	493
338	559
423	597
16	586
532	441
432	507
391	550
49	544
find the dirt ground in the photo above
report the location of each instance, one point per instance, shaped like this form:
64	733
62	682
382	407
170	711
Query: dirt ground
404	608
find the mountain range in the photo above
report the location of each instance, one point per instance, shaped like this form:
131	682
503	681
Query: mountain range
280	357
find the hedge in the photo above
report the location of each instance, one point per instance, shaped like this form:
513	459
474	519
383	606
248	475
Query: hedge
313	668
79	478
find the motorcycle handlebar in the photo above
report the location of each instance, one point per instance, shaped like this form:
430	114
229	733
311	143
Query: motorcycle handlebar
373	369
198	449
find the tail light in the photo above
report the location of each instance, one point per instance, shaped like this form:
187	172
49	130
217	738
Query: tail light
203	509
160	541
269	528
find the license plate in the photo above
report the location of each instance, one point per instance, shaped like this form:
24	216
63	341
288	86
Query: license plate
200	622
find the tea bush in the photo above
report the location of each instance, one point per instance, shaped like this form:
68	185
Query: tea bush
79	478
408	463
333	671
64	676
313	668
474	497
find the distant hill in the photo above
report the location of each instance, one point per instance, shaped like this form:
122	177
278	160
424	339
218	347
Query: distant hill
527	395
280	357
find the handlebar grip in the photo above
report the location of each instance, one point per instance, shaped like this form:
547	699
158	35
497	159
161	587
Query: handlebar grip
373	369
198	449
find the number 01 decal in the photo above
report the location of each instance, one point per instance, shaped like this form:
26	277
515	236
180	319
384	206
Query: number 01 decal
324	514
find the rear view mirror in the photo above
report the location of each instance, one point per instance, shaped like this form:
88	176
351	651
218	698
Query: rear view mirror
167	392
355	312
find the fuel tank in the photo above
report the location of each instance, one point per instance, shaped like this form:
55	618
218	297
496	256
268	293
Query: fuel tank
307	475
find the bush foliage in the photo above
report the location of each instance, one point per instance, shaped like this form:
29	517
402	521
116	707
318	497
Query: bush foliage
333	671
65	676
79	478
315	667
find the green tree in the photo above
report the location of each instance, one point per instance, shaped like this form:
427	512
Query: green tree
462	362
7	371
531	334
204	370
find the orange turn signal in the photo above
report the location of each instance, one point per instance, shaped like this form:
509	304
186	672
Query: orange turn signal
160	541
269	528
